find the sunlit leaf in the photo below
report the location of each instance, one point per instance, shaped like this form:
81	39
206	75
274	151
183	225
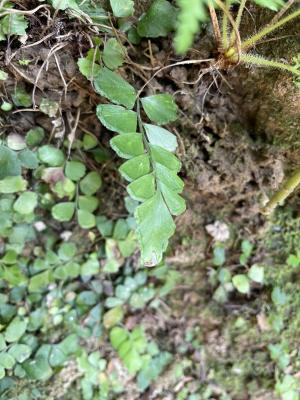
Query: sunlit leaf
63	211
113	54
115	88
143	188
136	167
160	108
26	203
161	137
154	227
117	118
122	8
86	219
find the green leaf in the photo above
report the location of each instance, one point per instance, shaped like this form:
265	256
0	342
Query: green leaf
159	20
63	211
15	330
160	108
88	67
37	369
293	260
219	256
152	371
89	142
273	5
191	14
113	54
75	170
26	203
165	158
256	273
50	155
118	336
88	203
117	118
121	229
175	203
57	356
143	188
90	267
9	163
128	145
2	342
12	184
86	219
133	361
49	107
7	361
91	183
21	98
169	178
20	352
64	188
154	228
67	251
279	298
14	24
94	11
113	317
35	136
135	168
161	137
241	283
28	159
104	226
64	4
112	86
122	8
15	141
5	105
39	281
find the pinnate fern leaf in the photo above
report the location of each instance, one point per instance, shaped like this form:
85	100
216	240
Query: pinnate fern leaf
151	166
191	14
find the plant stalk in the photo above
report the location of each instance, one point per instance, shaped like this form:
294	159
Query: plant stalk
225	25
250	42
238	19
288	188
260	61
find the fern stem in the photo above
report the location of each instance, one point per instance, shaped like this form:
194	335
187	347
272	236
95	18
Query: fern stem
232	22
238	19
225	25
215	23
250	42
260	61
288	188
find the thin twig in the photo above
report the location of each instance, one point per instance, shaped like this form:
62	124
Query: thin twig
185	62
61	74
10	11
57	47
71	136
281	12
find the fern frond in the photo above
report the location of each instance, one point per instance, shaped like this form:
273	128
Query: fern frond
191	14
